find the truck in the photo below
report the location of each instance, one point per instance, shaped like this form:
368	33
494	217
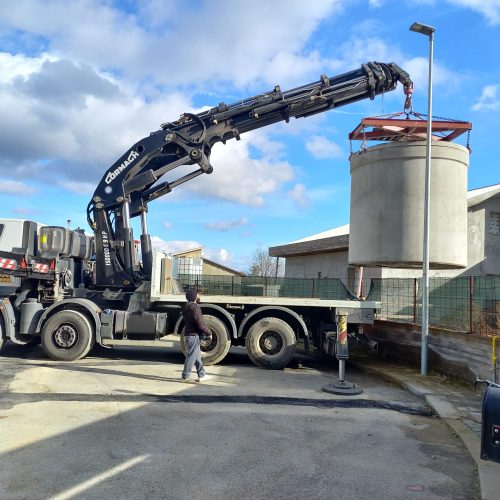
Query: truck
69	290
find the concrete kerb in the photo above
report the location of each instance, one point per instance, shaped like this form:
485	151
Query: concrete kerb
489	472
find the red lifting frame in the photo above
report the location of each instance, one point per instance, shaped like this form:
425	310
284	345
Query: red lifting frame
390	129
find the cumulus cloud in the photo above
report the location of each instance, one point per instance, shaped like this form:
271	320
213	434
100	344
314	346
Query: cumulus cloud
173	246
77	120
96	120
226	225
490	9
220	255
241	178
140	45
322	148
15	187
489	99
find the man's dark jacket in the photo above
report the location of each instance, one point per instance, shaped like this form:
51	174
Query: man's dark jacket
193	319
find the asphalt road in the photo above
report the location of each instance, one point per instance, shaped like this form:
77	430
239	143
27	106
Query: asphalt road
119	425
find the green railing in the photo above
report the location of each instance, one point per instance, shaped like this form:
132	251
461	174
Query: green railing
468	304
258	286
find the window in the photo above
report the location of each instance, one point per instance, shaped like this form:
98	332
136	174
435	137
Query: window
494	223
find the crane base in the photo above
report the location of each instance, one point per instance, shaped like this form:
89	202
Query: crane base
342	388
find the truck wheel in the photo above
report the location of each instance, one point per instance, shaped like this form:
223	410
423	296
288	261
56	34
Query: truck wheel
270	343
215	350
67	335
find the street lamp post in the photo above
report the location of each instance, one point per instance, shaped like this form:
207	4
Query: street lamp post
428	31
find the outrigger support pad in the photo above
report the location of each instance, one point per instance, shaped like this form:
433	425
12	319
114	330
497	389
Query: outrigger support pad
342	387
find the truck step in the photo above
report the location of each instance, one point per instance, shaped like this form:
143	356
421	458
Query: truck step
140	343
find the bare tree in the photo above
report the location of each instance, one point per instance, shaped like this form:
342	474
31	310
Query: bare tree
264	265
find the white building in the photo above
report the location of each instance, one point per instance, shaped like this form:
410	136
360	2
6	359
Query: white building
325	254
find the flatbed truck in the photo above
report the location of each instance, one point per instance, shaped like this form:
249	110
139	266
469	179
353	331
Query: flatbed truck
70	290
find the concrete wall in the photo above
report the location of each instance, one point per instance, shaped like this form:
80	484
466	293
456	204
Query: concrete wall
483	244
451	353
483	254
326	265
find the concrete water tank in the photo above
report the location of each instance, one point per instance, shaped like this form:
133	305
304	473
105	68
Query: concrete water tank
387	206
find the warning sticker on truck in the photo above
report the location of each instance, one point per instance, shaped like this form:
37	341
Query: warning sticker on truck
5	279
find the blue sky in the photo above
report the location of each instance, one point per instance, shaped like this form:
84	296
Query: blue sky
82	81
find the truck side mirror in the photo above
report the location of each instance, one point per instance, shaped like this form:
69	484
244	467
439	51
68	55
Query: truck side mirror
490	429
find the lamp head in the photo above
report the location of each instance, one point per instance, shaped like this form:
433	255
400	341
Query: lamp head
424	29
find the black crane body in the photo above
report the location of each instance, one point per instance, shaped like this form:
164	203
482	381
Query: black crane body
132	182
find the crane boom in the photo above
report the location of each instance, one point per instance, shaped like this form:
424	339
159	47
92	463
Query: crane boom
132	181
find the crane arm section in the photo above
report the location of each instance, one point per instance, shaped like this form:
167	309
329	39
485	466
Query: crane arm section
134	179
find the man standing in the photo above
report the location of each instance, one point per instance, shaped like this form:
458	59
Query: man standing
194	327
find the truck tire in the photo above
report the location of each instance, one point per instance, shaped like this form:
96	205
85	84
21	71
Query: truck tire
67	336
3	338
270	343
215	350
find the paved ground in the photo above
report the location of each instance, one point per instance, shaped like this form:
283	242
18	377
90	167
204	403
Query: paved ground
459	405
119	425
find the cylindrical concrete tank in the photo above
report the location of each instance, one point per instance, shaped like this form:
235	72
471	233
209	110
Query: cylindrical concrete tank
387	206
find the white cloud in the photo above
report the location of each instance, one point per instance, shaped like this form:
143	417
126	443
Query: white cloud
19	65
299	195
226	225
322	148
15	187
97	33
490	9
88	127
173	246
489	99
78	187
167	225
220	255
238	177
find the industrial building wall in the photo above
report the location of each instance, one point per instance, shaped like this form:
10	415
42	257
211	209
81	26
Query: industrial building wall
210	270
484	238
483	249
326	265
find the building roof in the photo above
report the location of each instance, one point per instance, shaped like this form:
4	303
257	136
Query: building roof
476	196
191	250
224	268
337	239
332	240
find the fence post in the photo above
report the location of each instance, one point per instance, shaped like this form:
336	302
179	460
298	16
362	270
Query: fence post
415	300
313	289
232	284
471	293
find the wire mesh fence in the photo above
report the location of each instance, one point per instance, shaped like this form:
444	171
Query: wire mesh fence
468	304
260	286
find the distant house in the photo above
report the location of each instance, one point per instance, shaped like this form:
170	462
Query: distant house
193	262
325	254
190	263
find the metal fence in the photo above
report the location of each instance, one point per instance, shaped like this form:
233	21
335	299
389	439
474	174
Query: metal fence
258	286
468	304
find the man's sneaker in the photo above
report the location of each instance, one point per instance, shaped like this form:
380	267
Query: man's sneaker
186	380
204	378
